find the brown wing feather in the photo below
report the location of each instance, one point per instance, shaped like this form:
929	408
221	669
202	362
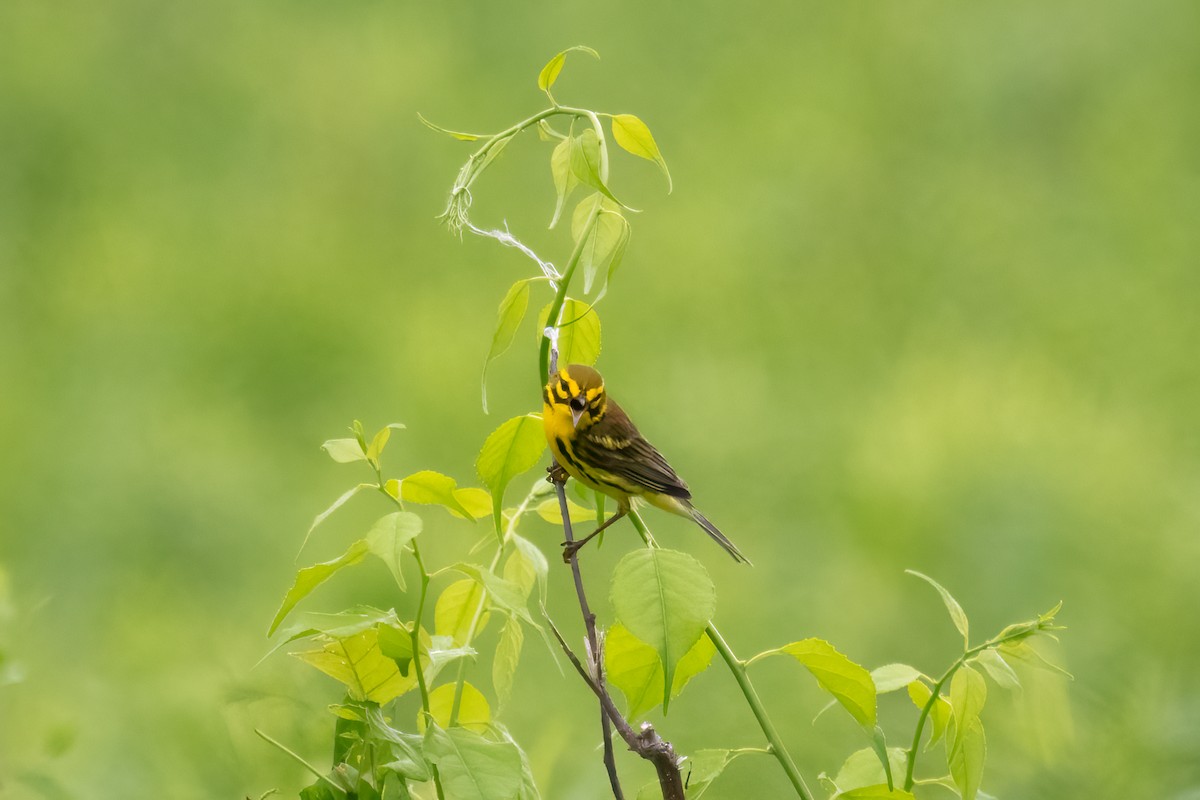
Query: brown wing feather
615	444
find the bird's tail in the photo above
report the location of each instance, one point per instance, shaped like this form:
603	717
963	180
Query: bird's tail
716	534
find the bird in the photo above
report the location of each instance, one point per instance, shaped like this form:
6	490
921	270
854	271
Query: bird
594	441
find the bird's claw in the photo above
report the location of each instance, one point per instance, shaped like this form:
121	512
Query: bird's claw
556	474
569	550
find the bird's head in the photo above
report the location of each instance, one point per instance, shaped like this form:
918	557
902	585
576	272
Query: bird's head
579	391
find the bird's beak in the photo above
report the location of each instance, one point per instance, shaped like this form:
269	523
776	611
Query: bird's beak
575	415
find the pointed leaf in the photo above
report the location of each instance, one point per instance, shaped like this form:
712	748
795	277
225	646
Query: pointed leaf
604	244
344	451
863	769
891	677
462	137
579	334
508	655
474	714
550	511
968	693
508	319
957	615
457	607
433	488
635	668
705	766
358	663
378	442
999	670
310	578
500	593
324	515
849	683
588	166
388	540
880	792
939	714
666	599
472	767
565	180
532	555
513	448
966	759
632	135
549	73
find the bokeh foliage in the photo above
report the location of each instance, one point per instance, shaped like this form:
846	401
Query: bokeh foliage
931	279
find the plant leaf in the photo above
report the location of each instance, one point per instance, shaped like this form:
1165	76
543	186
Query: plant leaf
508	655
578	336
549	73
939	714
565	180
358	663
324	515
587	164
863	769
475	500
501	593
456	608
388	540
310	578
513	448
605	243
635	668
966	759
433	488
508	319
472	767
705	766
957	615
666	599
550	511
462	137
968	693
891	677
633	136
849	683
344	451
995	666
532	556
474	714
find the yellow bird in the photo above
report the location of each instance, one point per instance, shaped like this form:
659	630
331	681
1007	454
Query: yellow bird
597	444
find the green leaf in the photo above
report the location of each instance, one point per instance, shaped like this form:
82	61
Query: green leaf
358	663
378	442
471	767
406	747
433	488
550	511
666	599
549	73
635	668
705	766
633	136
579	334
344	451
501	593
508	655
880	792
849	683
564	179
456	608
957	615
994	664
968	693
475	500
1025	653
966	759
605	243
532	557
462	137
310	578
508	319
473	711
891	677
587	164
513	448
324	515
863	769
388	540
939	714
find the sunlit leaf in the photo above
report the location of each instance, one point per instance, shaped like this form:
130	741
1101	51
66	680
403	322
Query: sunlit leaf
475	500
849	683
957	615
310	578
508	655
549	73
513	448
344	451
587	163
358	663
462	137
508	319
939	714
550	511
632	135
863	769
579	334
604	243
635	668
501	593
966	759
968	693
324	515
473	711
378	442
666	599
565	180
388	540
472	767
457	606
407	758
891	677
1025	653
879	792
999	670
433	488
705	766
535	558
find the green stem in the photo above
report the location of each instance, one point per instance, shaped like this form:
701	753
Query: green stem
738	668
561	296
936	693
416	646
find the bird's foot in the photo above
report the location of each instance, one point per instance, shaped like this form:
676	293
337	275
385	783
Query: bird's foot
556	474
570	549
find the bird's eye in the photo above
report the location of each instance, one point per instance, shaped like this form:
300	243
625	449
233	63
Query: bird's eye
578	403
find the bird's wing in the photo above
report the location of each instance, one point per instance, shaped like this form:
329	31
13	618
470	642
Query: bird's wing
615	445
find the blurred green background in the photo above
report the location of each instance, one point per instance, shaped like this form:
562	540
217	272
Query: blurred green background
925	296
